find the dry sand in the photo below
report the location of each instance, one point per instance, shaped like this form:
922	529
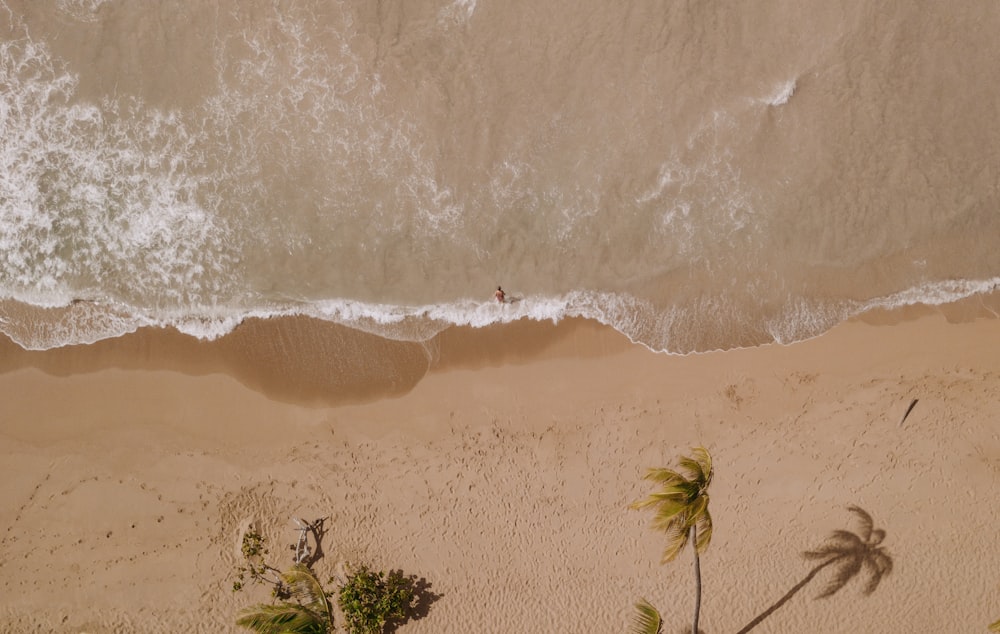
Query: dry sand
501	477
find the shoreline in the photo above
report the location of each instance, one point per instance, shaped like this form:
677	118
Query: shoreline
503	480
307	361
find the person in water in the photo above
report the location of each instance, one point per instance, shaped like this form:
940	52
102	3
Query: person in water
500	295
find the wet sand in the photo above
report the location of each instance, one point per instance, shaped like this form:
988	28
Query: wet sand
497	465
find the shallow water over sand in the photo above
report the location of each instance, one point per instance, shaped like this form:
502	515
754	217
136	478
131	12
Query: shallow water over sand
695	176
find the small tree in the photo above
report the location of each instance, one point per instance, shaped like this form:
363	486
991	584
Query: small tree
370	600
254	566
303	605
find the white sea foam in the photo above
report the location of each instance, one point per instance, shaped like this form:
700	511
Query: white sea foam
303	159
459	10
675	329
317	108
88	192
699	194
83	10
932	294
802	319
782	93
70	324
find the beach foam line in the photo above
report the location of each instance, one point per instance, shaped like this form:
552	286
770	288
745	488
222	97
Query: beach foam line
316	362
675	329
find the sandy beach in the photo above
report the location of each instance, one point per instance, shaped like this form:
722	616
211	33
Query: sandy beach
502	475
248	257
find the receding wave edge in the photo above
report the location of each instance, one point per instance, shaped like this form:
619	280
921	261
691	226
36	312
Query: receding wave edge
681	329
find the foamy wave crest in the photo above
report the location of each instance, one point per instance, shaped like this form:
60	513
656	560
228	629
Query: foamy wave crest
294	95
700	195
933	294
802	320
418	323
96	201
41	328
459	9
782	93
698	327
83	10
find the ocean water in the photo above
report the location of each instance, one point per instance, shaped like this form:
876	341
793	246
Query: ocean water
697	175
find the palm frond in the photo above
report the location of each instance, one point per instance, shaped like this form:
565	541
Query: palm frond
307	589
663	476
691	489
995	627
705	459
668	496
640	504
704	532
675	493
646	619
677	538
698	507
681	503
694	469
670	523
283	618
669	508
661	508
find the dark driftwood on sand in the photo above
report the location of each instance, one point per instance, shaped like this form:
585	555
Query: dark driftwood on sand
908	410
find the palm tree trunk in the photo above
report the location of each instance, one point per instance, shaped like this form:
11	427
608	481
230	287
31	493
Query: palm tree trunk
697	580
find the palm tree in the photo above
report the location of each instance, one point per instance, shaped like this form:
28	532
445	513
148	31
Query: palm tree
308	613
853	552
681	512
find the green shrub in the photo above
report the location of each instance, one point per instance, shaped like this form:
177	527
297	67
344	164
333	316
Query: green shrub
370	600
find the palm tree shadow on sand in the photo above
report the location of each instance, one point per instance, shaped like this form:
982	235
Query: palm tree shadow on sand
847	554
